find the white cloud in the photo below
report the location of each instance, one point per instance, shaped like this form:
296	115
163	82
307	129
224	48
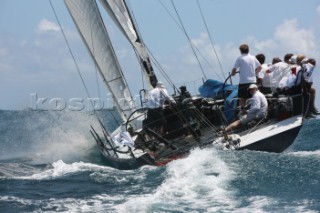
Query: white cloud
45	26
266	45
299	40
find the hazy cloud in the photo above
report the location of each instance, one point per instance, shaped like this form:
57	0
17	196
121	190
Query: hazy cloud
45	26
299	40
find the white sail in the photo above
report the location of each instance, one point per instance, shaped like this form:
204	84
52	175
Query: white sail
117	9
86	16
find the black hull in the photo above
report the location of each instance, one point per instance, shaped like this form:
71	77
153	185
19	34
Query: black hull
276	143
159	158
129	163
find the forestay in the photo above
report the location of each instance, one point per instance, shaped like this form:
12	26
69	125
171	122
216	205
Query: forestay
86	16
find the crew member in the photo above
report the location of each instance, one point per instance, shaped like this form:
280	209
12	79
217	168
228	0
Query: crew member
156	99
248	67
258	109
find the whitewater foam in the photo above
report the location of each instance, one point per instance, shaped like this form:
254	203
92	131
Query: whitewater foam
193	183
60	169
315	153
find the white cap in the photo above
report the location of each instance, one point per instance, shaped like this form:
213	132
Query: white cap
253	86
293	59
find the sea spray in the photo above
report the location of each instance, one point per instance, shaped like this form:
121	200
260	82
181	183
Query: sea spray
48	136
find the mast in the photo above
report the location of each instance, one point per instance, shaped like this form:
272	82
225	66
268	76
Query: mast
87	18
119	12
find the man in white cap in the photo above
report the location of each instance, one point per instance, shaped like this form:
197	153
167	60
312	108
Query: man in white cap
258	109
155	102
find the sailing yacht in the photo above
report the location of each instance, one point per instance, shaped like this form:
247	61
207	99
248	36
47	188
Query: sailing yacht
194	122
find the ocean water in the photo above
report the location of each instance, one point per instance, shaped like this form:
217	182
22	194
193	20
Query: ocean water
49	163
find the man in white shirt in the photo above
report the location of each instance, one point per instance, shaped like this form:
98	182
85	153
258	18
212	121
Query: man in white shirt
248	67
264	78
280	73
156	99
309	68
258	109
157	96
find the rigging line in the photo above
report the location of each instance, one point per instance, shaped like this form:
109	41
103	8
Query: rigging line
200	53
156	62
134	21
141	66
205	120
152	56
139	40
165	75
114	79
114	117
189	82
134	25
190	42
211	40
74	60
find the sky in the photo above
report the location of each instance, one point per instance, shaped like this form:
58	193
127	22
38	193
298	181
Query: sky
36	65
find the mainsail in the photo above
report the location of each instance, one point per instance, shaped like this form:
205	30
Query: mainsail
118	11
86	16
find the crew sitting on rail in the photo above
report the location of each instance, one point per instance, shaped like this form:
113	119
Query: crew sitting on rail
258	109
290	83
308	70
280	73
296	75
